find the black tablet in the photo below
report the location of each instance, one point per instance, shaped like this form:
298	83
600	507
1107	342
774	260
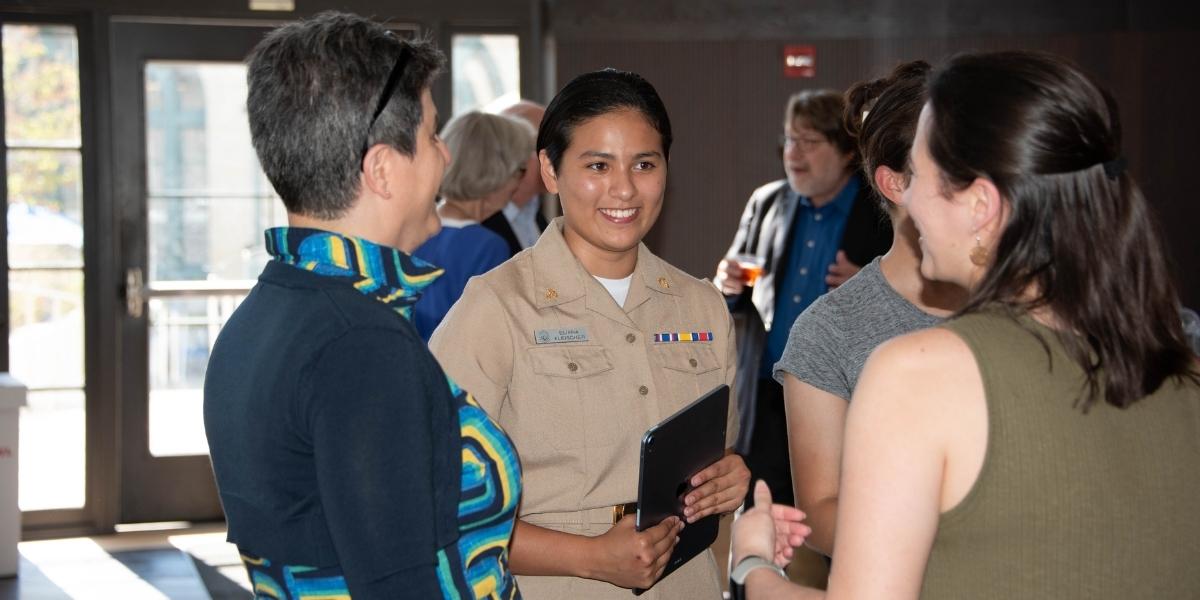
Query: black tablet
672	451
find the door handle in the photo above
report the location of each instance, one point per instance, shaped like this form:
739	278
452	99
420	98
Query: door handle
135	292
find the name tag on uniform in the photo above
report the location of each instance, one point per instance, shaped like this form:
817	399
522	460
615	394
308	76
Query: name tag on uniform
560	336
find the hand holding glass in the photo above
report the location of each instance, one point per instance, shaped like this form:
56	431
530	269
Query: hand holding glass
751	266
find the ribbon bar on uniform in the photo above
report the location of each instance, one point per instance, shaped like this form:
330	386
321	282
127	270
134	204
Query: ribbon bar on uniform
684	336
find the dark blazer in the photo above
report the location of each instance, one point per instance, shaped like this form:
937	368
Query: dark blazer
499	224
765	231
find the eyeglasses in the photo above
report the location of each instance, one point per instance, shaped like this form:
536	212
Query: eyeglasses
806	143
389	88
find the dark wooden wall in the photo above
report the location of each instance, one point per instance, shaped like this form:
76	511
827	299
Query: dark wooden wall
718	67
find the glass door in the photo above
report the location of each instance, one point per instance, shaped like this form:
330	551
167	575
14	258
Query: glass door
194	204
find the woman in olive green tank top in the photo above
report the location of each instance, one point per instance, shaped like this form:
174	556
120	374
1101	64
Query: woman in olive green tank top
1046	442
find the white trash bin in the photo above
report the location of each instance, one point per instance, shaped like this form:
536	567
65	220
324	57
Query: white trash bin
12	398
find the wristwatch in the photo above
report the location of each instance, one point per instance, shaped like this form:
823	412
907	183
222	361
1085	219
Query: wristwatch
750	563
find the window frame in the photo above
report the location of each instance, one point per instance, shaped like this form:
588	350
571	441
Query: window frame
98	257
528	70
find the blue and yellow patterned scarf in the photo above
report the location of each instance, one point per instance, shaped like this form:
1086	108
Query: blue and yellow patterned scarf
387	274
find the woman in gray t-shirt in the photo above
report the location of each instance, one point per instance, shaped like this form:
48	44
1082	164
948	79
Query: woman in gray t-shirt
830	342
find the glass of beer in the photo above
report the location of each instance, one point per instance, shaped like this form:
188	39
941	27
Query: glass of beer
751	265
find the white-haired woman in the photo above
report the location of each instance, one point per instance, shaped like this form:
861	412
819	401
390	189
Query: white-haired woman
490	156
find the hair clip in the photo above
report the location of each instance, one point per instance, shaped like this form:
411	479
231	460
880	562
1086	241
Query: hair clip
1115	167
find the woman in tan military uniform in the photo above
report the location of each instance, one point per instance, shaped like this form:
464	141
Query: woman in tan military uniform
564	345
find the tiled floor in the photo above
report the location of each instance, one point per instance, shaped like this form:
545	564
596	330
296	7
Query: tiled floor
187	564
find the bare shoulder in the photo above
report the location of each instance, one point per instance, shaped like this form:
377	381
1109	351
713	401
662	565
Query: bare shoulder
921	353
927	370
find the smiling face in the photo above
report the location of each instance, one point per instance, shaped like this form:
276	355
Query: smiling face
421	178
944	224
814	165
611	183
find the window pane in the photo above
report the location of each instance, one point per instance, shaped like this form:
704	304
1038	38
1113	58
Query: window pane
45	209
182	331
45	259
209	239
46	306
51	455
209	200
41	85
486	72
197	133
207	207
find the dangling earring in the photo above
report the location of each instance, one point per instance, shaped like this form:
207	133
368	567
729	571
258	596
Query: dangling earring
979	254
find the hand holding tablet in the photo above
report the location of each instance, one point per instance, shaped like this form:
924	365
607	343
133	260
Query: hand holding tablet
673	453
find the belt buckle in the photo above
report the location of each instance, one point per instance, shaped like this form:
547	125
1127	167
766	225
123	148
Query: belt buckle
620	510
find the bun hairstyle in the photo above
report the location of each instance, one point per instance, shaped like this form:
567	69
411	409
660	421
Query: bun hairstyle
1079	239
881	117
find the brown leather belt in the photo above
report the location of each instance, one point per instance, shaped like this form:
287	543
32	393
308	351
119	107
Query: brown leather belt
621	510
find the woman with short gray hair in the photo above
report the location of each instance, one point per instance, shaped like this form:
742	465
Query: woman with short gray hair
490	153
348	463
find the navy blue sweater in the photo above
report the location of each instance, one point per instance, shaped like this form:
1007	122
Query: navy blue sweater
334	437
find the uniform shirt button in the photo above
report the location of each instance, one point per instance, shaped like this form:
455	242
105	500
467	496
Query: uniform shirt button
804	270
797	298
629	337
817	217
692	361
643	390
810	243
572	367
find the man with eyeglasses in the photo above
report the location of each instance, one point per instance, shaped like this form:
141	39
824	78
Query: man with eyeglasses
348	464
806	233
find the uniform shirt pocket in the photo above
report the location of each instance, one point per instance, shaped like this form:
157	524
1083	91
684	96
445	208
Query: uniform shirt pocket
571	362
688	358
563	377
692	366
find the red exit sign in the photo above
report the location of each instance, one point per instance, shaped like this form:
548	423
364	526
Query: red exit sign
799	61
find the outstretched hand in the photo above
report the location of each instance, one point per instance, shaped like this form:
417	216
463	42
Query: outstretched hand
768	529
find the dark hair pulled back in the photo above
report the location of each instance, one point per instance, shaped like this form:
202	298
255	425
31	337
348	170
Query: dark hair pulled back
594	94
1078	235
881	116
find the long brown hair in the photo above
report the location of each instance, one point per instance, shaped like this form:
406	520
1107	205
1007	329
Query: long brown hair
1079	233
